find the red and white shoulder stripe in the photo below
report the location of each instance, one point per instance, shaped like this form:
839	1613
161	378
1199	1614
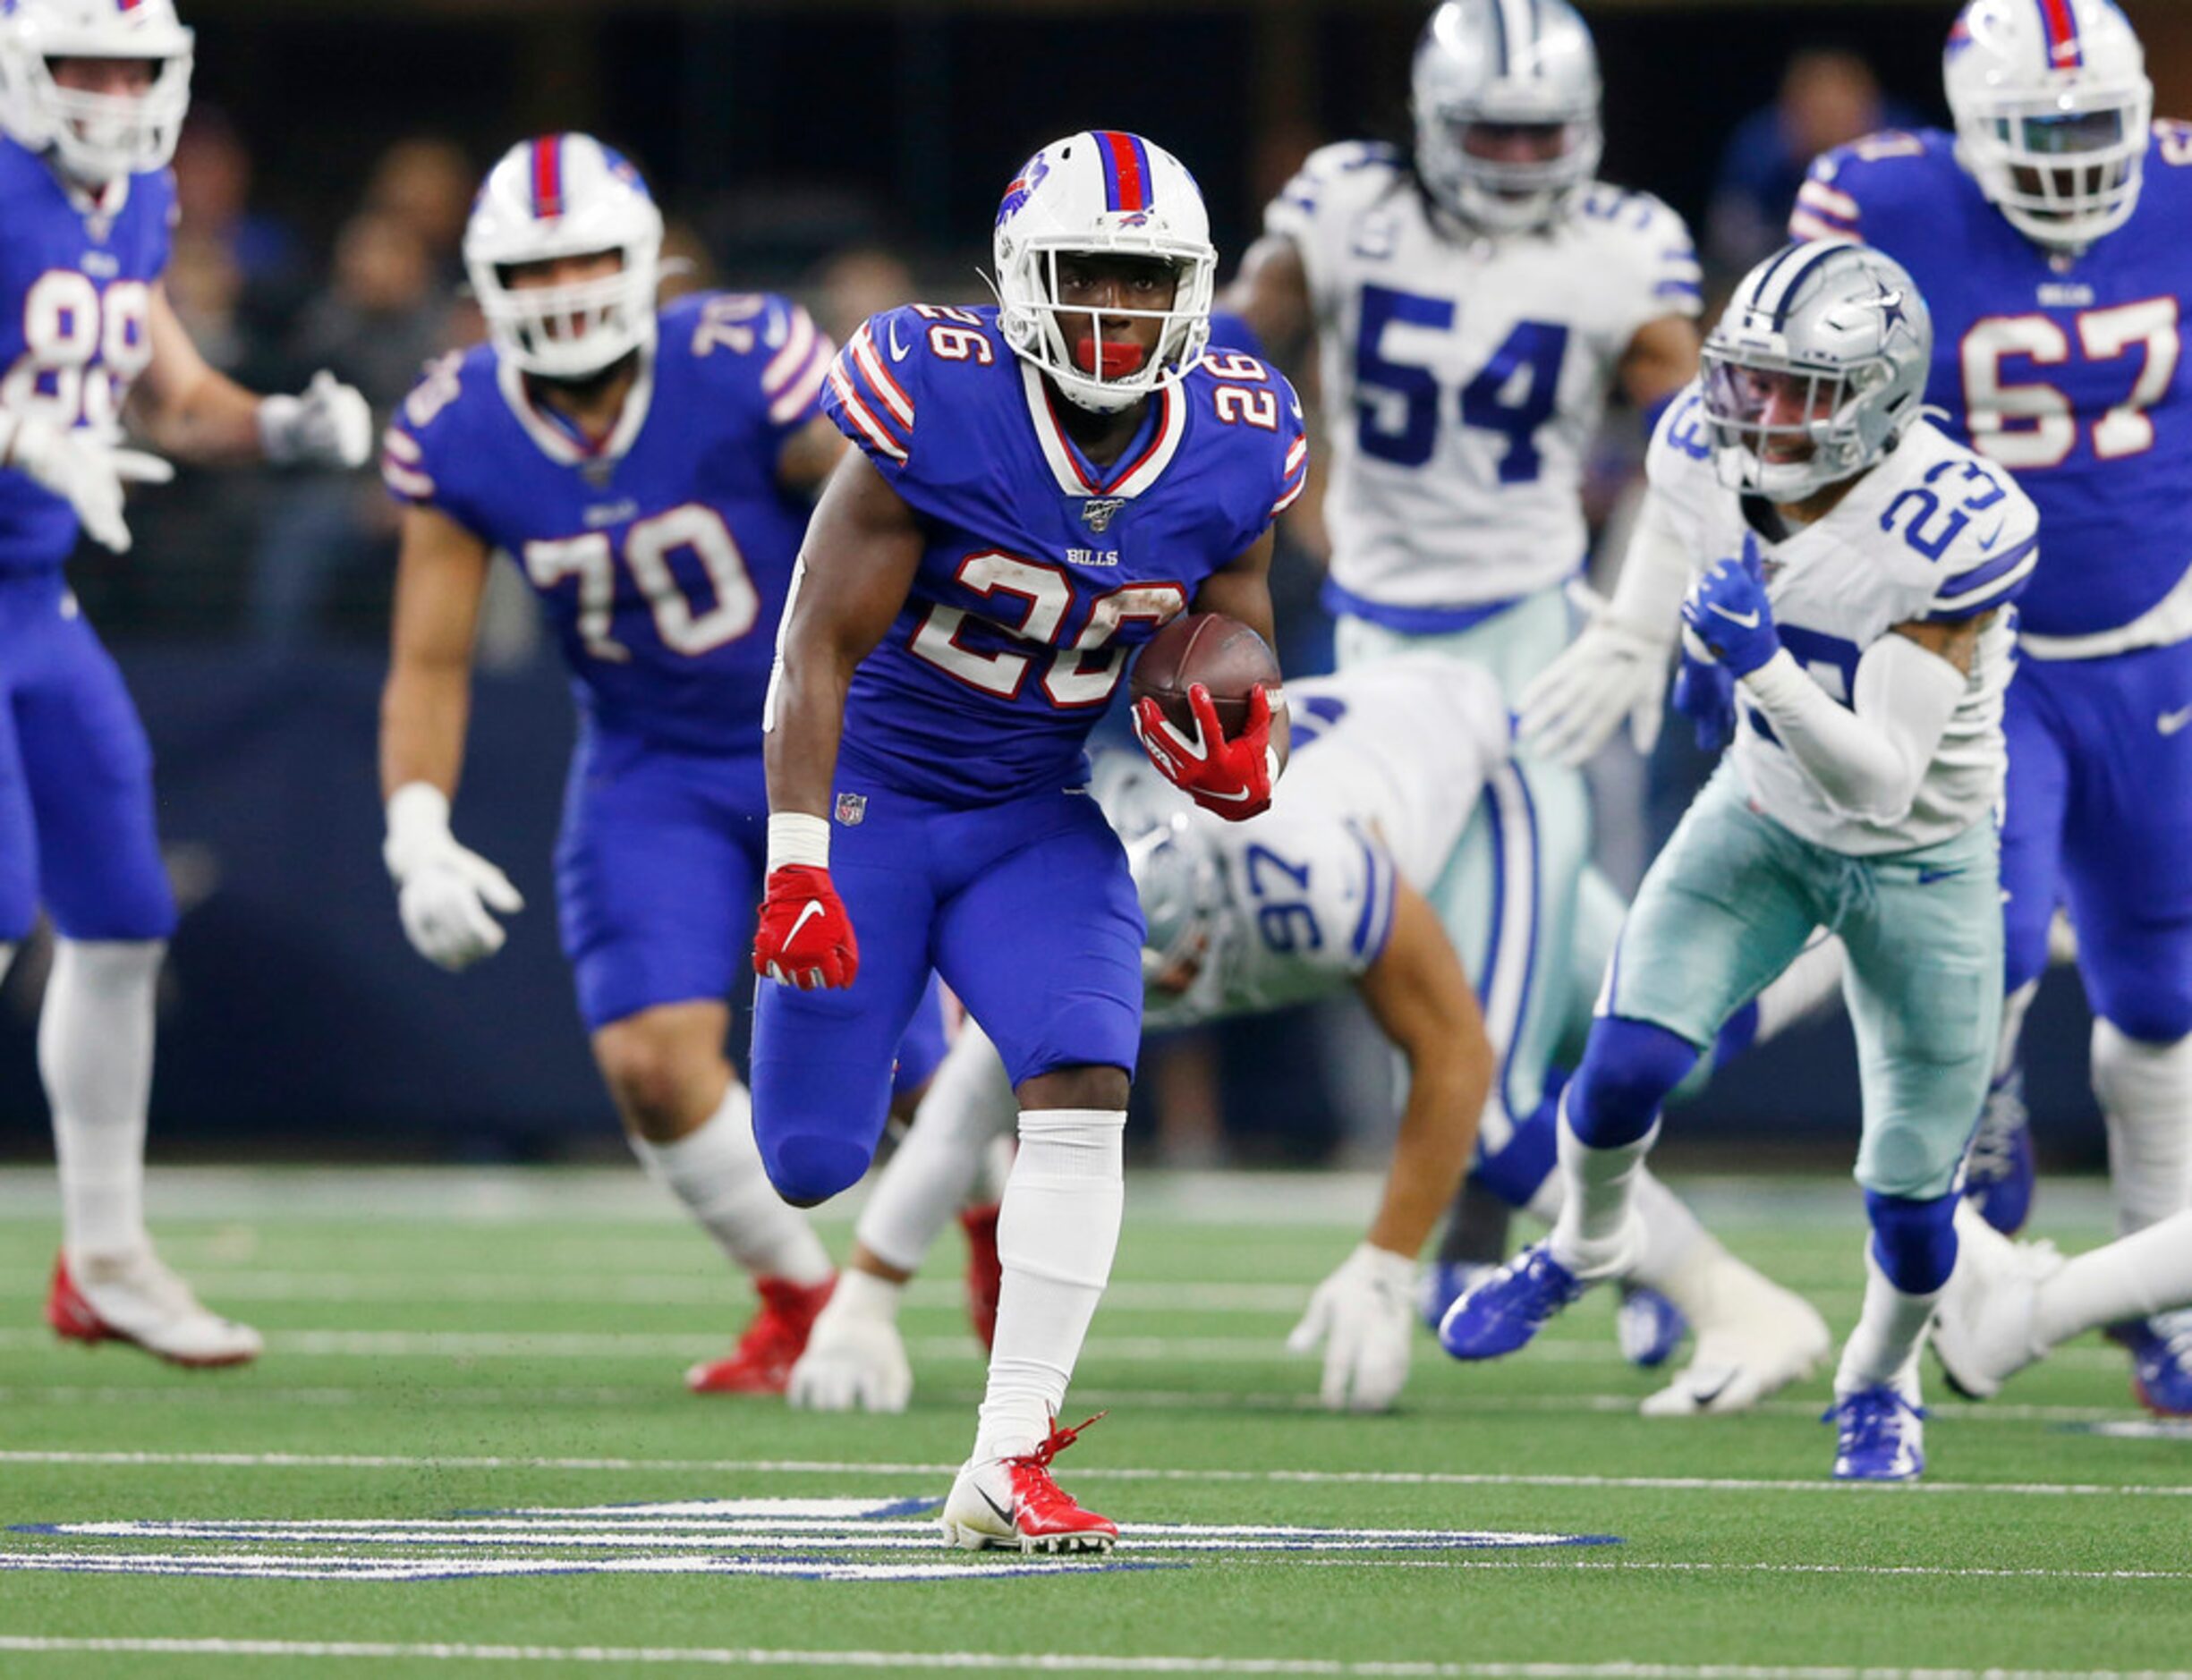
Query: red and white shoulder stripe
1294	476
403	467
795	374
871	397
1824	212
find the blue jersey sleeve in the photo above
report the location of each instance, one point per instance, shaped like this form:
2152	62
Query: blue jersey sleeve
423	456
875	383
1862	190
765	348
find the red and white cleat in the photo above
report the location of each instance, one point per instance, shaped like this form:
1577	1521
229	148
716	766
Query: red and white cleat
762	1362
1011	1504
134	1298
985	1273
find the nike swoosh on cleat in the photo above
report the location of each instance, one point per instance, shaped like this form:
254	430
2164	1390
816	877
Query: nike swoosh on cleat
899	351
813	908
1230	798
1703	1397
2169	723
1749	621
1003	1516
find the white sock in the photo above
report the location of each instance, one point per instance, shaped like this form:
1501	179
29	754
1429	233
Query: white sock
95	1054
1595	1235
1672	1239
2145	1093
968	1106
1804	987
1055	1238
1882	1350
716	1171
2133	1278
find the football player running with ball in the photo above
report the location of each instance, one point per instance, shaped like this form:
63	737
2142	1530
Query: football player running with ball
1475	301
1848	626
1037	487
649	473
92	97
2052	236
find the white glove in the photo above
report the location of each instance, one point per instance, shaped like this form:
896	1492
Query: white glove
444	892
855	1359
1365	1315
331	425
81	468
1613	670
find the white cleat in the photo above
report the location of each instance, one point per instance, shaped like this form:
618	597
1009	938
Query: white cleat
853	1363
134	1298
1754	1339
1012	1505
1983	1331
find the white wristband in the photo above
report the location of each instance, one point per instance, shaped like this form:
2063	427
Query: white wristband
796	839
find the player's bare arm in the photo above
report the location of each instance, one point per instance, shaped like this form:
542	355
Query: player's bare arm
1421	999
189	408
1271	294
1957	643
809	456
441	575
861	551
1660	360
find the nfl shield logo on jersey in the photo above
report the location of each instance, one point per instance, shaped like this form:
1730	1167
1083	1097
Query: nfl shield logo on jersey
852	810
1099	511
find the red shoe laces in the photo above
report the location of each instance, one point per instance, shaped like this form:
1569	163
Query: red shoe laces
1056	1442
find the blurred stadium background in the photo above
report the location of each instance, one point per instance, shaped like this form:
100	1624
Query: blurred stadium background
850	153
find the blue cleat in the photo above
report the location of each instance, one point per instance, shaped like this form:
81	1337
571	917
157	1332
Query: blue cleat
1648	1326
1502	1312
1998	1169
2161	1349
1443	1284
1878	1435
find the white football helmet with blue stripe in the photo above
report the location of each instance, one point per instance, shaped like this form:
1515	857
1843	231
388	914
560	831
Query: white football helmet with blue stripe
1103	192
96	138
1816	370
1178	876
2052	107
565	195
1484	65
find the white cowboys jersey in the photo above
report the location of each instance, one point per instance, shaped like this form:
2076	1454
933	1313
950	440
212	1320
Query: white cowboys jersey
1387	765
1463	377
1933	532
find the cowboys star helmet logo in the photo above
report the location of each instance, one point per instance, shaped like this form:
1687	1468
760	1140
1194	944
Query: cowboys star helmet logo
1099	511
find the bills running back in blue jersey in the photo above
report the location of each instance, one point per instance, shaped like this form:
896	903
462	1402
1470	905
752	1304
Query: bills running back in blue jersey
2064	368
661	553
1042	571
78	273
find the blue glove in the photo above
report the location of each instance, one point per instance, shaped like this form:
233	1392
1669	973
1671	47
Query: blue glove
1727	610
1705	695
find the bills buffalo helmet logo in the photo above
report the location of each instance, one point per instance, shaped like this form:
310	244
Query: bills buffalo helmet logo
1021	185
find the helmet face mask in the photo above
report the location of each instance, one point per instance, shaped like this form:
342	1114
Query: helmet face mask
1096	205
1176	869
98	134
2053	124
1505	96
547	208
1815	371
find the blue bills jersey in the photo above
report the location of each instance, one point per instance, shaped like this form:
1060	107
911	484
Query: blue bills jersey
1040	573
76	279
2068	372
661	554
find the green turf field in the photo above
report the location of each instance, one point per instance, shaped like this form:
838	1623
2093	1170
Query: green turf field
442	1346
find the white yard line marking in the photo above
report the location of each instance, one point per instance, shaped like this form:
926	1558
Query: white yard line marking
1671	1568
1031	1662
820	1467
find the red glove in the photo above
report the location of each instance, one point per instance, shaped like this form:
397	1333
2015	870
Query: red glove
805	939
1231	777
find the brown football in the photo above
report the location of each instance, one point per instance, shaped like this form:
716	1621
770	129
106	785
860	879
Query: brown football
1223	654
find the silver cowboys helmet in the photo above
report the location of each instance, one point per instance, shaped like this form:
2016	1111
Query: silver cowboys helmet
1816	370
1485	66
96	138
1102	193
2053	112
1176	869
565	195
